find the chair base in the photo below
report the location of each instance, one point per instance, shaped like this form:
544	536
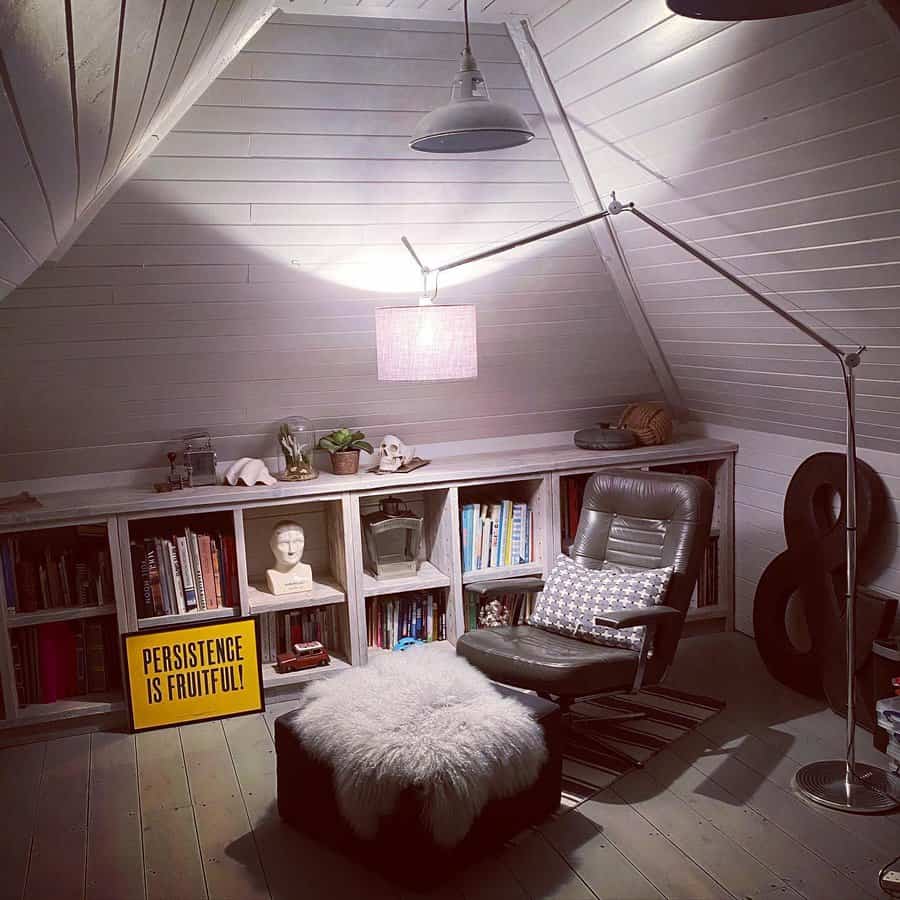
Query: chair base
589	725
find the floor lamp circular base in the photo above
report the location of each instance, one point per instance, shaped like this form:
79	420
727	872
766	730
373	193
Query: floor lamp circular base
873	791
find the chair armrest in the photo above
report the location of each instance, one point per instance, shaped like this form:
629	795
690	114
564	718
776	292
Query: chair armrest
507	586
636	615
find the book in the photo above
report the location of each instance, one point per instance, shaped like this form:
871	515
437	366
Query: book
165	576
177	584
153	577
186	569
194	547
206	567
495	534
95	656
217	569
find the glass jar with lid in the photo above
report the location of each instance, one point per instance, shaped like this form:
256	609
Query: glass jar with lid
296	444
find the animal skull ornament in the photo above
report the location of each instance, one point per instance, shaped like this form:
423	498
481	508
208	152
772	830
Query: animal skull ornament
394	453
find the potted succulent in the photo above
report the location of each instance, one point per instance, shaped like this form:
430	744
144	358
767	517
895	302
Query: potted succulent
344	446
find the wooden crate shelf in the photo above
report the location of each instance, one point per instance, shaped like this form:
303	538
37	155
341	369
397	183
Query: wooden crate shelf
275	680
64	614
201	615
324	591
498	573
330	509
429	577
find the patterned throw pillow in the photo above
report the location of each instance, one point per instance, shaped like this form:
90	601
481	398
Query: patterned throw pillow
572	594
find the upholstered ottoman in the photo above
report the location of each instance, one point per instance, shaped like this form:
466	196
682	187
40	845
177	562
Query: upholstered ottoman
403	849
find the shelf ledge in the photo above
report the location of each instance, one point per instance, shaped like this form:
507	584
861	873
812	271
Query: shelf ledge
497	573
59	614
324	591
428	577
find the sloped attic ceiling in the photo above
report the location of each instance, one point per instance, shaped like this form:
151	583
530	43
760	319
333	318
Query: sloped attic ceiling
86	88
776	144
232	281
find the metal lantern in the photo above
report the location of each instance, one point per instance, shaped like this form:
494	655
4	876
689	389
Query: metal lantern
392	538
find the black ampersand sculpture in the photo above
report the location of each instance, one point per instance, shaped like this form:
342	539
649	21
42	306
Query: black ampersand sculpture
813	568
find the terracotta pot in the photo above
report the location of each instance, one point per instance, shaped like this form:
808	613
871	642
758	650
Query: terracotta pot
345	462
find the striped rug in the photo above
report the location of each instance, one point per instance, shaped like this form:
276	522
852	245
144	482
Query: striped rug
588	767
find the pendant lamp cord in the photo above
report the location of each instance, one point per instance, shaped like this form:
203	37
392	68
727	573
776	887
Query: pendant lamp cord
466	17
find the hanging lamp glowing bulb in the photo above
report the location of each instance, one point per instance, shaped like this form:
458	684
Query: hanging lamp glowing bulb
471	122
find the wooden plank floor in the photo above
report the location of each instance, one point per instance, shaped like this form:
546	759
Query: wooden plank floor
189	814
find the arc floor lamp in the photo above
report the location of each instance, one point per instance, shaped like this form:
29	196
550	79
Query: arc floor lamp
840	784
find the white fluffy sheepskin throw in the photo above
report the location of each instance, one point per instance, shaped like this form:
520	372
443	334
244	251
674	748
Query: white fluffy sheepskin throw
424	719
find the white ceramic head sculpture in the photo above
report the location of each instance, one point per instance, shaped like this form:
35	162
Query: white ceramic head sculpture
290	573
394	453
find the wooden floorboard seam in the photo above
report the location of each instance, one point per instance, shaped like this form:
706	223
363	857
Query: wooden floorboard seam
194	815
795	811
31	842
247	810
725	837
672	843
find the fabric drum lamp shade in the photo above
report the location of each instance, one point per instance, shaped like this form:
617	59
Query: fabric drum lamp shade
426	343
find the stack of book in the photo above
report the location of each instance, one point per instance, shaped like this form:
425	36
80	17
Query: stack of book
56	660
707	592
184	573
496	534
421	615
571	496
507	609
279	631
65	568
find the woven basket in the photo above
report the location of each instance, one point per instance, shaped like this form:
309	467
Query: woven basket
650	423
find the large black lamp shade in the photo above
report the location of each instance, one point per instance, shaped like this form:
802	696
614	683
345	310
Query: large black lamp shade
738	10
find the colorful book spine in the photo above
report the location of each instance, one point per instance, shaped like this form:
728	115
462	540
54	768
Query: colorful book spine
186	569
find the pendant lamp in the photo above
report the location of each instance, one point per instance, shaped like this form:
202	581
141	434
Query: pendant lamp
471	122
426	342
738	10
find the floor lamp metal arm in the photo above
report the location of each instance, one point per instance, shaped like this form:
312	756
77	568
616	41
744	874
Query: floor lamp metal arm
839	784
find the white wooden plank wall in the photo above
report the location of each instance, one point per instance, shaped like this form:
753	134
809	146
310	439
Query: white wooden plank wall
233	280
83	87
764	466
776	144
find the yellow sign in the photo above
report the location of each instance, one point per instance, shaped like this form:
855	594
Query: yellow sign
191	673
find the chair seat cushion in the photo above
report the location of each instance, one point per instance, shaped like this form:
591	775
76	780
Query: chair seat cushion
544	661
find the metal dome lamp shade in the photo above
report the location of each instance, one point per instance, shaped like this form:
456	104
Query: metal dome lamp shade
471	122
739	10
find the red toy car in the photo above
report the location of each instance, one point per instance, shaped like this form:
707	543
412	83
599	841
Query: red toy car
307	655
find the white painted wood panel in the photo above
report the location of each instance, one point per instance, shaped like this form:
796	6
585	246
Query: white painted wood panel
765	463
776	146
85	89
233	280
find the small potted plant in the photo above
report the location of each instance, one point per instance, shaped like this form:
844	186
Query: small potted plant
344	446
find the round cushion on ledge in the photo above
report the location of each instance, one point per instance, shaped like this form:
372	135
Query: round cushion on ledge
602	437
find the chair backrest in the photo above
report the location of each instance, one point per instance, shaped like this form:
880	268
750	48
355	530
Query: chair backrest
646	520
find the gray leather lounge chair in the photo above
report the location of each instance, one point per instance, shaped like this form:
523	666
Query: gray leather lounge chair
637	520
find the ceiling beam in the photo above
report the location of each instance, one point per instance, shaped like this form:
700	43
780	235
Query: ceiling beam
589	199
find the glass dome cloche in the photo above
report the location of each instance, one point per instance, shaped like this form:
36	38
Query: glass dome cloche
296	443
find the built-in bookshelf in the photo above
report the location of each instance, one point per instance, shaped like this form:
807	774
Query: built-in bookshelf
502	527
60	634
497	609
421	615
99	540
183	568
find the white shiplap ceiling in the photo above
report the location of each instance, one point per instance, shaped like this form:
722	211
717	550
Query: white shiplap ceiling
86	89
775	143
